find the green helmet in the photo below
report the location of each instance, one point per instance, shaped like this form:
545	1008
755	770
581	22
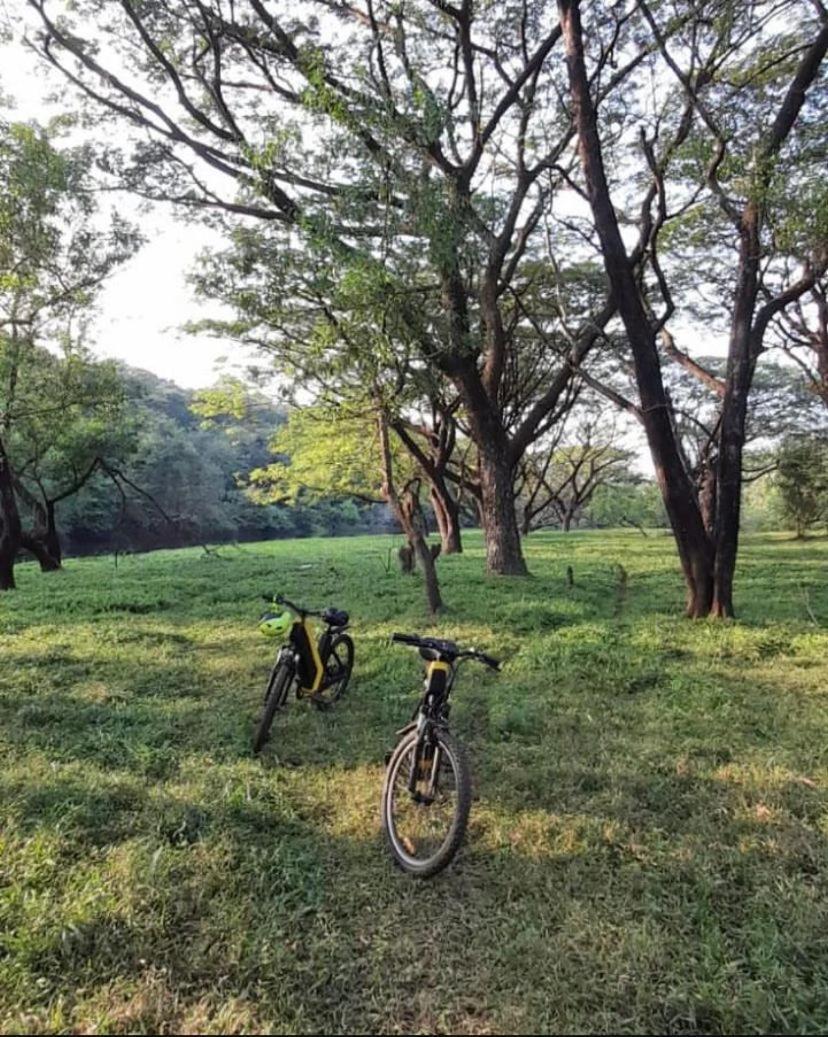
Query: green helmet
276	624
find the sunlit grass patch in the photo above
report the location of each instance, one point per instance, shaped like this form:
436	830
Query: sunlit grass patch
647	847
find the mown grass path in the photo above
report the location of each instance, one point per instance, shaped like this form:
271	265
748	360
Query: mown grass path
648	850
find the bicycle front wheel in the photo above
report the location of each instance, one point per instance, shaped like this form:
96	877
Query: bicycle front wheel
426	798
276	695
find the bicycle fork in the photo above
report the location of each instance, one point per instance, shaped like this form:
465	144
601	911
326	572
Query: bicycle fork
425	764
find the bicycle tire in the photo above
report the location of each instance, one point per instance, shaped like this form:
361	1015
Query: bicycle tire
330	695
443	856
276	695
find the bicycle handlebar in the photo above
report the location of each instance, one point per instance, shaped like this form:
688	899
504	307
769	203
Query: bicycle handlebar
489	660
430	642
407	639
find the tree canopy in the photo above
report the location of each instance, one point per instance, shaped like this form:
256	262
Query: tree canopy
462	216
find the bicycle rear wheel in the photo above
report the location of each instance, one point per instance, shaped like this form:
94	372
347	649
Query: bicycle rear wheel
338	664
423	829
281	677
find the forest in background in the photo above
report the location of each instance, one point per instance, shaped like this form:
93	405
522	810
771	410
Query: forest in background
214	466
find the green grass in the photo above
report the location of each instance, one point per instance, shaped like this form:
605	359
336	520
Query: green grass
647	851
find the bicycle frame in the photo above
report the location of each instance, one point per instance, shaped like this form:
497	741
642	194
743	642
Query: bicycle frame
309	666
308	654
432	711
428	766
433	705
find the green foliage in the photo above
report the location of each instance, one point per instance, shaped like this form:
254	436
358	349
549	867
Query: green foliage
53	258
802	481
761	507
324	452
229	398
62	412
647	849
189	458
59	410
620	503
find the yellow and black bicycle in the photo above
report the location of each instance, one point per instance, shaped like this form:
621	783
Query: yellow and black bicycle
318	669
427	792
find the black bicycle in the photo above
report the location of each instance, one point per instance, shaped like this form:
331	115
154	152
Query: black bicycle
319	669
427	792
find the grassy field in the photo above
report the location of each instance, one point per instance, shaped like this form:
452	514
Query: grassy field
647	850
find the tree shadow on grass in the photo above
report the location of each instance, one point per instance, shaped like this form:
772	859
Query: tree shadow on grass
616	931
582	896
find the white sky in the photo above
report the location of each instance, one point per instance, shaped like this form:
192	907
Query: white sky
144	305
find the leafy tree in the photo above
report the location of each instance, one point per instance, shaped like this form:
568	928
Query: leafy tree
631	502
347	452
243	414
720	151
182	474
322	453
413	156
560	479
409	151
53	260
801	480
68	420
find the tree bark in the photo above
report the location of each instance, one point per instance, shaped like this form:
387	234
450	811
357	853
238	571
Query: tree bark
44	540
504	555
38	547
433	464
694	546
748	328
740	367
9	523
52	538
426	560
447	514
405	512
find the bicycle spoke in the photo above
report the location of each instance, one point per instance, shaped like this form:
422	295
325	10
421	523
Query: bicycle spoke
422	822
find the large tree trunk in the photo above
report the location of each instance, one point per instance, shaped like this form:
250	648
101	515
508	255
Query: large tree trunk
729	487
740	367
708	561
32	543
447	514
43	541
694	546
407	512
504	554
9	523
